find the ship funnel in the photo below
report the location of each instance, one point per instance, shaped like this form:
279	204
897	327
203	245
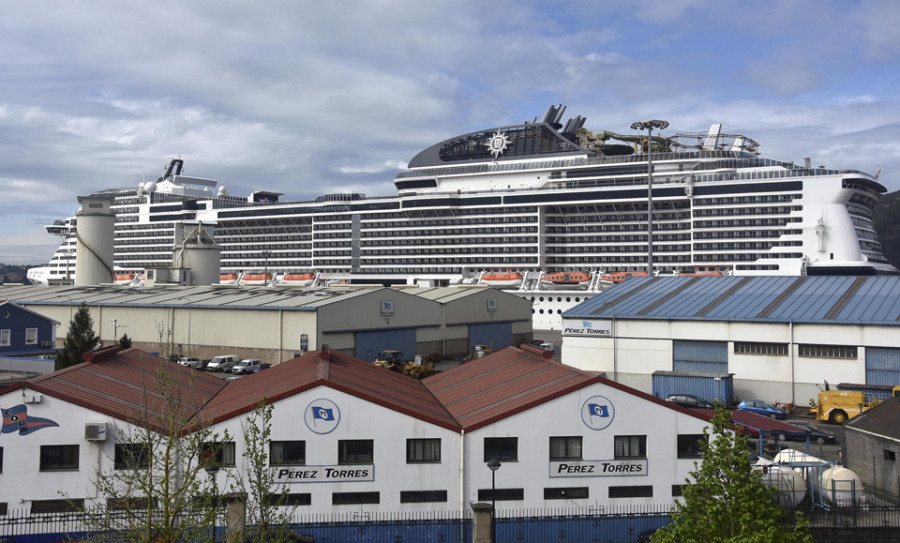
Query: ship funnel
94	232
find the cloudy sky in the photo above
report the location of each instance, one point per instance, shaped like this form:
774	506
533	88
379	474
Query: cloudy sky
305	97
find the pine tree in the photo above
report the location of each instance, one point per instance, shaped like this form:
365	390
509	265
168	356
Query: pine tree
124	342
725	500
80	339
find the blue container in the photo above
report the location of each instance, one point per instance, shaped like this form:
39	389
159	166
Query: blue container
712	387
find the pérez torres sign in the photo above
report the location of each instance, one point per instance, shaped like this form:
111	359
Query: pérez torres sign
323	474
588	328
598	468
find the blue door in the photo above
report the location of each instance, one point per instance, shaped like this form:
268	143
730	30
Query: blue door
370	344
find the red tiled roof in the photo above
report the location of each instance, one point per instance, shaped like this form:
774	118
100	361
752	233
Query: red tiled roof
336	370
504	383
130	385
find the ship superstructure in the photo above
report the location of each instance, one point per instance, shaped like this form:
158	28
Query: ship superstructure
515	205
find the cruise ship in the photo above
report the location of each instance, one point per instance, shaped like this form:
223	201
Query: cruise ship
546	208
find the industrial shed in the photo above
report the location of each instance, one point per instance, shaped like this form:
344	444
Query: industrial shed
278	323
871	447
780	337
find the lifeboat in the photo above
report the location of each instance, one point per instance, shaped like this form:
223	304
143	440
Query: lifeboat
256	278
618	277
298	278
124	278
705	274
228	278
502	280
566	280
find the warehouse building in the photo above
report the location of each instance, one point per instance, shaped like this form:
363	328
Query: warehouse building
349	436
278	323
779	338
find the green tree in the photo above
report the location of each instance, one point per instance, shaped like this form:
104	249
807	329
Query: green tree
725	500
162	487
268	510
80	339
124	342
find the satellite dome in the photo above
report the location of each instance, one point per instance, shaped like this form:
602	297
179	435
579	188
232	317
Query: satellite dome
223	191
150	186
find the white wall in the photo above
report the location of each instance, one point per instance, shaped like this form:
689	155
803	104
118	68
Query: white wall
563	417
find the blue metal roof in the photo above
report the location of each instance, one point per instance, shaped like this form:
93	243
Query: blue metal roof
857	300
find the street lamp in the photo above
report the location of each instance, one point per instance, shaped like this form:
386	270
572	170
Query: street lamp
649	126
494	465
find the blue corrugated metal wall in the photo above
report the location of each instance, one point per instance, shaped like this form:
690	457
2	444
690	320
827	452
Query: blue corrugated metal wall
497	335
882	366
700	356
370	344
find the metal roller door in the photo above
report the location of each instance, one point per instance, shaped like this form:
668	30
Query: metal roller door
370	344
495	335
700	356
882	366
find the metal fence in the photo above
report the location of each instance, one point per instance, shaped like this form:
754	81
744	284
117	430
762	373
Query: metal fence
589	525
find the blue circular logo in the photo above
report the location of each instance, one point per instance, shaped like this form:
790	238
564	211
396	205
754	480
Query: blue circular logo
322	416
597	412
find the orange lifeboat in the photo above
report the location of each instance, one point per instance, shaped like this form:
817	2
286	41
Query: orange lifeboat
298	278
502	280
618	277
122	278
228	278
256	278
566	279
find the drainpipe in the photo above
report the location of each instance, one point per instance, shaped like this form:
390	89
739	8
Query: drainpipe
462	480
793	383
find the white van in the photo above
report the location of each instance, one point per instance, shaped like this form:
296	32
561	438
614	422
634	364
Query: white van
223	362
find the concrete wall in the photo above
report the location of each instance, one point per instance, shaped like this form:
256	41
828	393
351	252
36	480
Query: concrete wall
864	453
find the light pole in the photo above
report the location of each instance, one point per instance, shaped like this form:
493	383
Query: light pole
266	255
649	126
494	465
189	323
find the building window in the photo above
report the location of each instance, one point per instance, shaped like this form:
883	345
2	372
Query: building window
502	494
889	455
766	349
423	450
423	496
31	336
565	448
352	498
5	338
827	351
569	493
678	490
3	509
630	447
689	445
130	504
42	507
286	500
132	456
220	454
631	491
501	448
287	453
356	451
59	457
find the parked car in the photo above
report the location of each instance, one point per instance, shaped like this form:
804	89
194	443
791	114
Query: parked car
222	362
690	401
248	365
190	361
761	408
815	434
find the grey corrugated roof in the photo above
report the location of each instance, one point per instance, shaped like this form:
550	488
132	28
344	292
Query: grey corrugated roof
858	300
256	297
